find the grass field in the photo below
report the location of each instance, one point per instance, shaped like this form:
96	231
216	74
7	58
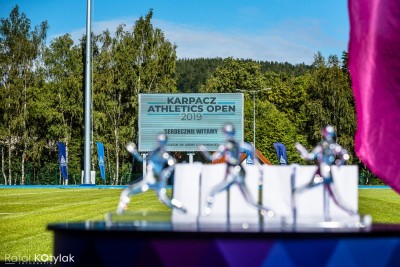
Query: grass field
25	213
382	204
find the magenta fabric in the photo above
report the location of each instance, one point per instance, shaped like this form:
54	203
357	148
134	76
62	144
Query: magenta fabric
374	64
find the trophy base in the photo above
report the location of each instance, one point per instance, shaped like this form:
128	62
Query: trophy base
308	224
139	220
162	221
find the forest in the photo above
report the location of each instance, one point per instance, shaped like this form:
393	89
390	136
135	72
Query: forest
42	98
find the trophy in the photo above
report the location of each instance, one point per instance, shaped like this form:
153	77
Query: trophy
235	173
327	153
160	165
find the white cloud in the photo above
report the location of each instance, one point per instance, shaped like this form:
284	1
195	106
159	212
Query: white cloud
97	28
292	41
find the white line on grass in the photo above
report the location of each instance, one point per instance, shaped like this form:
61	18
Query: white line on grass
41	193
66	206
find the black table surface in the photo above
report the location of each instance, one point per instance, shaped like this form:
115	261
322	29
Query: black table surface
169	230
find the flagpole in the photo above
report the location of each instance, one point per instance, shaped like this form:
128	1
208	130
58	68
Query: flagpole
254	114
87	137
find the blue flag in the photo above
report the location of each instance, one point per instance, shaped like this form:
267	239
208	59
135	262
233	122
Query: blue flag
281	152
62	159
250	156
100	157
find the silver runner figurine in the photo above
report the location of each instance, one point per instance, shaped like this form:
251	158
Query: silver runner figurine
159	168
235	173
327	153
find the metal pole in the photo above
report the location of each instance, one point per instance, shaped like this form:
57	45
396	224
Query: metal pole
254	121
191	157
254	113
87	137
144	164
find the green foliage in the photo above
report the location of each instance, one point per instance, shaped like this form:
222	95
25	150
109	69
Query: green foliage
135	61
272	126
285	68
289	94
330	102
42	99
235	74
20	48
191	74
62	108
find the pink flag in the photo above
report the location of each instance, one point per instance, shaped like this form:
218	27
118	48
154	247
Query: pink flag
374	63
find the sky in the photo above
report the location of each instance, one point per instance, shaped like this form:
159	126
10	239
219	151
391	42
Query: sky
268	30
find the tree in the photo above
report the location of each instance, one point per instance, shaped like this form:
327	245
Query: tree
272	125
333	61
20	46
191	74
289	93
135	61
154	58
235	74
345	61
330	101
319	60
111	94
64	74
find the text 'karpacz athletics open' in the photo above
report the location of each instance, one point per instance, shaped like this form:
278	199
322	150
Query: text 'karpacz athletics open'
191	104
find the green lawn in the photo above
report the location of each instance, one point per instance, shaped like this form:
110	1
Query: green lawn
382	204
25	213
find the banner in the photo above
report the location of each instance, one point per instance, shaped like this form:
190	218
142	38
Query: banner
189	120
100	157
374	65
281	152
250	155
62	159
